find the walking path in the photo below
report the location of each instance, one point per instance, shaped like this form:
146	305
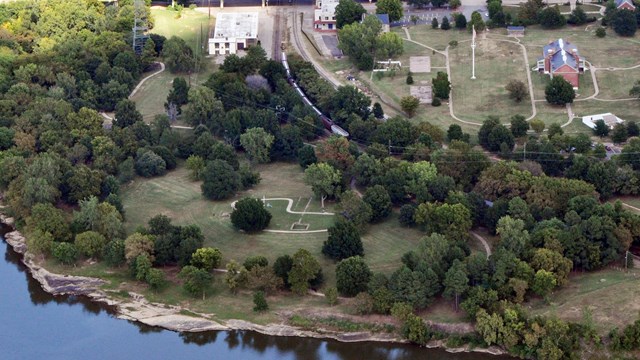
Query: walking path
135	90
484	242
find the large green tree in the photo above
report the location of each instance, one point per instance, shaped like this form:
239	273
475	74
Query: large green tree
324	180
348	12
220	181
456	281
352	276
257	144
343	241
391	7
559	91
178	55
250	215
304	268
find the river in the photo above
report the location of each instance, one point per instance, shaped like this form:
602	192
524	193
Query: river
37	325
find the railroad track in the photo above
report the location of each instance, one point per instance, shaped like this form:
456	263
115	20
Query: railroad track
277	36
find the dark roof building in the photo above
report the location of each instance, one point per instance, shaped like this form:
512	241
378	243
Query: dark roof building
561	58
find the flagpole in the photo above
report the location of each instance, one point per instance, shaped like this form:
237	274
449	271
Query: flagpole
473	54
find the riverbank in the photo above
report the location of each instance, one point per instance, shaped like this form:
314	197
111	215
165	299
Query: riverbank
137	308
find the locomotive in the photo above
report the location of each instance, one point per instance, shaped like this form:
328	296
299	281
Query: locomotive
326	121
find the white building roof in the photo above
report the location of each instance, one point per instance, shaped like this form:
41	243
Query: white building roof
326	8
609	119
236	25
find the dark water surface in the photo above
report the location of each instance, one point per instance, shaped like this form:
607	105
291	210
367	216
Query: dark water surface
37	325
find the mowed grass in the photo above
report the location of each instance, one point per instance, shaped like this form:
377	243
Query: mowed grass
180	198
497	62
626	110
610	83
188	26
152	95
609	293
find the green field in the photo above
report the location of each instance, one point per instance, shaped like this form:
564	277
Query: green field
497	62
608	293
176	196
191	26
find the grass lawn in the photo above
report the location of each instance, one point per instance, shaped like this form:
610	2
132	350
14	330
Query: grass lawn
608	293
627	110
176	196
497	62
630	200
188	26
610	83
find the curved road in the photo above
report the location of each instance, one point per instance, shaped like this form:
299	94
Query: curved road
484	242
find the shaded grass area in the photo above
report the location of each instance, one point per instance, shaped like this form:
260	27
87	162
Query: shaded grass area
609	294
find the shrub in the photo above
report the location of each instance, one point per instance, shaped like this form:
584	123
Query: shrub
150	164
601	32
254	261
352	276
331	294
436	102
260	302
250	215
65	253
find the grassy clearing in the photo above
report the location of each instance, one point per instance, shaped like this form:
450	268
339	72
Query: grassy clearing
443	311
188	26
608	293
630	200
610	83
627	110
176	196
474	100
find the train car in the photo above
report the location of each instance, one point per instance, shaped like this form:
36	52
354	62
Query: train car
326	121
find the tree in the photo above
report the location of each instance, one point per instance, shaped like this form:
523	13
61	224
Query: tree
354	209
178	55
137	244
476	22
445	24
304	268
348	12
624	22
307	156
635	90
195	164
415	330
126	114
150	164
179	94
324	180
391	7
543	282
537	125
619	133
257	143
90	243
456	281
6	138
416	288
559	91
500	135
263	278
331	294
377	109
336	152
461	21
517	90
40	242
632	128
204	109
64	252
409	80
255	261
601	32
49	219
410	104
155	278
555	129
378	198
578	17
434	23
358	40
601	129
259	302
114	253
196	281
519	126
236	276
551	18
343	241
206	258
281	268
352	276
454	132
220	181
441	85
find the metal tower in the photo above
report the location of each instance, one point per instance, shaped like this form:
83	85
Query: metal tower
139	26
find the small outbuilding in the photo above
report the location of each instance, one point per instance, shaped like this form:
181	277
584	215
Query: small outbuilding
609	119
515	31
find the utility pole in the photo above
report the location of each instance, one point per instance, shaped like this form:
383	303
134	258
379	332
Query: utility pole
525	151
209	6
389	147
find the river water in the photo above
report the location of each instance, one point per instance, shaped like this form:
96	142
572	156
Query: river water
37	325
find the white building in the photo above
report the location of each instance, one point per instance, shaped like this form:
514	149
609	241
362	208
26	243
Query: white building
609	119
325	15
233	32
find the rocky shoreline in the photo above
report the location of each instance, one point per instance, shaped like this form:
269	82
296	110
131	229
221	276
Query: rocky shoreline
169	317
